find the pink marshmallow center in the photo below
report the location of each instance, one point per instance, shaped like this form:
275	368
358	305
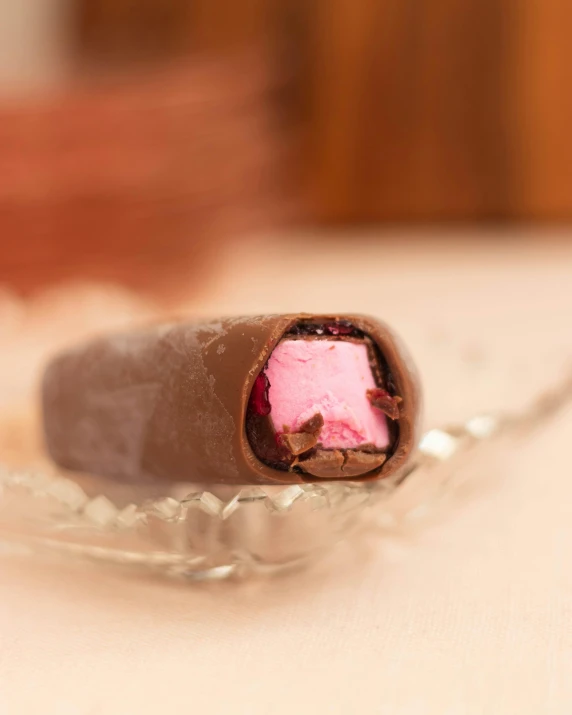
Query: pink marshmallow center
330	377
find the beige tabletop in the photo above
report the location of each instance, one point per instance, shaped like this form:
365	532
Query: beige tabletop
468	612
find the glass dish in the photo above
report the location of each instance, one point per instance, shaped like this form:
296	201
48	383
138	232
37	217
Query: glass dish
216	532
221	532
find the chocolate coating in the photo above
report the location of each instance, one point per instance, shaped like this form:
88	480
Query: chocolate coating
169	402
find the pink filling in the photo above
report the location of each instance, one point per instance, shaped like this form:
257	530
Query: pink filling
330	377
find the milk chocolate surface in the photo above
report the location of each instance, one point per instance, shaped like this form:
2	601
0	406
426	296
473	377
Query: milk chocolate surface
185	401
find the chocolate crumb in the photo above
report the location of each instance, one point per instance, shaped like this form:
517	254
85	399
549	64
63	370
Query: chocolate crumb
306	438
330	464
385	402
370	447
313	425
326	464
358	462
298	442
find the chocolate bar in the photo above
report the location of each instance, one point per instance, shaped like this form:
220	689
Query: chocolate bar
274	399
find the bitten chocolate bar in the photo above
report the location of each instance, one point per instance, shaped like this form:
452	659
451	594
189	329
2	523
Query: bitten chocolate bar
274	399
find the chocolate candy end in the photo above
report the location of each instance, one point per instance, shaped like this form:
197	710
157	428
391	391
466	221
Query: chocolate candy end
329	393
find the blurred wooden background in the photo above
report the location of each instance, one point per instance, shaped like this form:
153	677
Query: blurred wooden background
406	109
374	110
459	109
